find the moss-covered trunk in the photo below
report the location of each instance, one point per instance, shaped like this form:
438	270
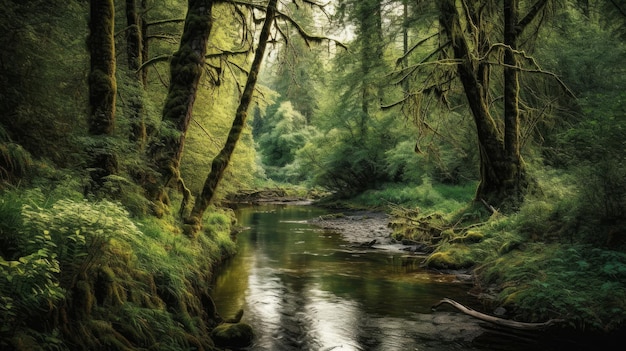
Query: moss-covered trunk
102	88
135	58
501	181
145	51
185	72
220	162
511	103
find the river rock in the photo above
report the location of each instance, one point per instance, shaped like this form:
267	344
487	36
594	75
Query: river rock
233	335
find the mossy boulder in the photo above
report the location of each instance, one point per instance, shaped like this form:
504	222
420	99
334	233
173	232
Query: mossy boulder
232	335
455	258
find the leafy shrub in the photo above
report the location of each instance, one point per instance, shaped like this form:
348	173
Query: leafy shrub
29	285
584	285
80	230
15	161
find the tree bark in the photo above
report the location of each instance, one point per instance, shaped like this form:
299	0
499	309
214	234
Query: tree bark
135	59
102	87
185	72
145	52
220	162
369	18
511	101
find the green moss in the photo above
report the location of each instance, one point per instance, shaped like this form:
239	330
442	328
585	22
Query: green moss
456	257
471	236
236	335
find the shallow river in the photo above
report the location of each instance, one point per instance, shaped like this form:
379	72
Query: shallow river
306	288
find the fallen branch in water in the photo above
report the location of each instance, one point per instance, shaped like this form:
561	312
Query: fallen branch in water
499	321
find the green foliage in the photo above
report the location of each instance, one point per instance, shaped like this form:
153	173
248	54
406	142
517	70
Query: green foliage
591	147
42	77
29	285
428	197
15	162
88	259
402	163
29	266
288	131
80	231
128	193
584	285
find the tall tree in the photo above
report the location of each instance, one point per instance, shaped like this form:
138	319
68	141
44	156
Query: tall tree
134	53
220	162
102	86
186	68
367	18
471	36
355	162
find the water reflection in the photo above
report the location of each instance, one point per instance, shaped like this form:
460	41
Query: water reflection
303	288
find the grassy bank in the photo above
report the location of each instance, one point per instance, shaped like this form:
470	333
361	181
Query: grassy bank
552	259
80	274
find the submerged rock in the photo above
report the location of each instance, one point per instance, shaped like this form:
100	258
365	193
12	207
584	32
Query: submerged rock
232	335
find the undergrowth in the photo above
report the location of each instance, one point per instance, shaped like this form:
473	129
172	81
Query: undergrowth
79	274
427	196
550	260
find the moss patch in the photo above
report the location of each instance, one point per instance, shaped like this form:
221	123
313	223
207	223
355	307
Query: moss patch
235	335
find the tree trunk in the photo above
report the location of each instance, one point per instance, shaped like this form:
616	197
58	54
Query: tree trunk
135	59
185	73
145	52
511	103
369	17
220	162
102	87
499	184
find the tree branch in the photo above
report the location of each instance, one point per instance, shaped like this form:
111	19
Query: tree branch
531	15
306	36
154	60
499	321
165	21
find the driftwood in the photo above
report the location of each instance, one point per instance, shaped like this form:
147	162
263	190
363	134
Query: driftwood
499	321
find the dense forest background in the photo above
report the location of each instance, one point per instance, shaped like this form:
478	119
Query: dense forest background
126	126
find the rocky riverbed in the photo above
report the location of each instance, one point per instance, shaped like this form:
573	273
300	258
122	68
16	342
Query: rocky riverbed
366	229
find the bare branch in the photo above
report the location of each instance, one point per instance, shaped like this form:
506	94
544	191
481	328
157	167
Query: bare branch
306	36
419	43
165	21
529	59
619	8
153	61
227	53
166	37
250	5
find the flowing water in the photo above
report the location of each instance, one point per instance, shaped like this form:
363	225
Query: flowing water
305	288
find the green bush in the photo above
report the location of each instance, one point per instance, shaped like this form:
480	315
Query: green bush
585	285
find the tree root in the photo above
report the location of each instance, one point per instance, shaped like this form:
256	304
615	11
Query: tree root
499	321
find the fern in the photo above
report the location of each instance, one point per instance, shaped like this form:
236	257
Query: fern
15	161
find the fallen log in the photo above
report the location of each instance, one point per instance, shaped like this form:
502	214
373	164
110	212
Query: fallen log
499	321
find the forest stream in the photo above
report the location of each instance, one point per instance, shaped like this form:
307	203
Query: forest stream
304	284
